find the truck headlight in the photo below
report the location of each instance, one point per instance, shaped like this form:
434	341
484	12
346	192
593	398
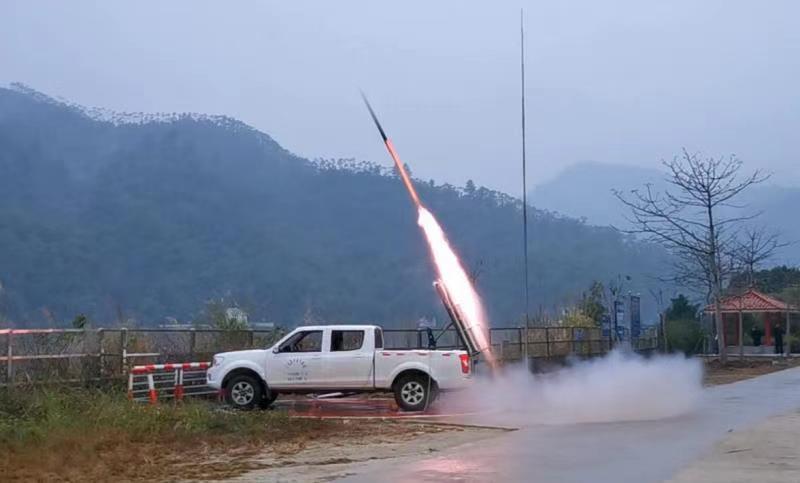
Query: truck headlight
217	360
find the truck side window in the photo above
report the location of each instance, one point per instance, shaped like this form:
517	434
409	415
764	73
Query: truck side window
346	340
305	341
378	339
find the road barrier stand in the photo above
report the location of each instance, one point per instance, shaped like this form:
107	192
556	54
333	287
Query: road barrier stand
151	382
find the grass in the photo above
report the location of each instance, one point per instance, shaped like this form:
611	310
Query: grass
95	435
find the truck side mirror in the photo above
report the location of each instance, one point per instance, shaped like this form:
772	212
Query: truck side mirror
275	350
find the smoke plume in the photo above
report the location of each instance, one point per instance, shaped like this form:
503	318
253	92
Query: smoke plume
617	387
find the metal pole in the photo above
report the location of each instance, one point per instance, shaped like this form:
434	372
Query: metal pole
524	163
192	342
9	361
123	343
100	352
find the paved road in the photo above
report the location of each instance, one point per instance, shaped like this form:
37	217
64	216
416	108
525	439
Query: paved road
635	452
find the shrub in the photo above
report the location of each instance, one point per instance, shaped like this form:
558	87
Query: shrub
684	335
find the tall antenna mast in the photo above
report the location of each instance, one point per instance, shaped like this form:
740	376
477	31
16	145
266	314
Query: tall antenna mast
524	167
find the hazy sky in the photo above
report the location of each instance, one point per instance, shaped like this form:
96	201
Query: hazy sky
612	81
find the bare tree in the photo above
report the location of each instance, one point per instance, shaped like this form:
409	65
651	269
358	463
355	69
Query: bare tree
686	219
756	246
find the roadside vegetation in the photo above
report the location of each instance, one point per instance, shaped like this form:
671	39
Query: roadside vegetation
70	434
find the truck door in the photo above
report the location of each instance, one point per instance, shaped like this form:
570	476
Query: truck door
298	361
349	360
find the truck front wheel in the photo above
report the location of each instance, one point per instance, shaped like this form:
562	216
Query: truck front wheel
243	392
413	392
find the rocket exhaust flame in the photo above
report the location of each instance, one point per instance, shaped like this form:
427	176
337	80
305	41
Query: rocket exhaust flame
458	294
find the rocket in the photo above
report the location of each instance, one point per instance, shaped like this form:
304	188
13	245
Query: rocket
461	301
399	164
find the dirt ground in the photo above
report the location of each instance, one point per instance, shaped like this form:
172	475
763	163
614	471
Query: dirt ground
114	457
738	370
322	461
767	453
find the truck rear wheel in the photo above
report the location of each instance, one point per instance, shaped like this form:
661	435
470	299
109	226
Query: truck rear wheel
268	399
413	392
243	392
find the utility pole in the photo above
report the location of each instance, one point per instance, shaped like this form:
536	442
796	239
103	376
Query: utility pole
524	177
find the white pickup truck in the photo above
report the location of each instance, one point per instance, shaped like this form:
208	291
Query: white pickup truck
337	358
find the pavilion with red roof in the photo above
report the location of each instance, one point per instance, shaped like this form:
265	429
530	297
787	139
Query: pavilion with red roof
753	302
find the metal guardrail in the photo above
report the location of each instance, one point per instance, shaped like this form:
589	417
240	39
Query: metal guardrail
152	382
68	355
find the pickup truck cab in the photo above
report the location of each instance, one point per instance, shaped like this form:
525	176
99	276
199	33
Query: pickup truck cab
333	358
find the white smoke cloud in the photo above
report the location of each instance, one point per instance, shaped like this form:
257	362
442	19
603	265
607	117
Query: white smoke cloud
617	387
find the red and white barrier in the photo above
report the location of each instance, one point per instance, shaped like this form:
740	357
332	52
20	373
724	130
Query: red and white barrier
171	379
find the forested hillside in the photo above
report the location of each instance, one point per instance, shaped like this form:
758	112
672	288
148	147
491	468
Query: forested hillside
151	219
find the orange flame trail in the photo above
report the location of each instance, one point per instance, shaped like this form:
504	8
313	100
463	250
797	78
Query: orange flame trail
459	286
448	266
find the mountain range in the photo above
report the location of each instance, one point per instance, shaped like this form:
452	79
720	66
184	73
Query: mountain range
585	190
150	216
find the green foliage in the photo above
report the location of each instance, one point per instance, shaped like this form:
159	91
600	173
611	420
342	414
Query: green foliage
793	343
157	217
790	295
576	318
592	304
684	335
773	280
681	309
80	322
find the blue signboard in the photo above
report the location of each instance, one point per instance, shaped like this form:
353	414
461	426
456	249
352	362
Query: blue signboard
605	324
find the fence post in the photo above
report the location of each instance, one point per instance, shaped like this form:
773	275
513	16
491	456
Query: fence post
192	343
519	335
572	337
547	341
252	338
123	344
527	342
100	353
9	361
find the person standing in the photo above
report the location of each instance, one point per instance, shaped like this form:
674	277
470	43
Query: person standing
778	333
756	334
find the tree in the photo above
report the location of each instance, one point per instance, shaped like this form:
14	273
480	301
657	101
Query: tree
470	188
592	303
218	314
757	246
687	220
80	322
681	309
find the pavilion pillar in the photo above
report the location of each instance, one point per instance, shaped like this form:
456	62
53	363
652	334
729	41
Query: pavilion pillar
788	331
768	329
741	336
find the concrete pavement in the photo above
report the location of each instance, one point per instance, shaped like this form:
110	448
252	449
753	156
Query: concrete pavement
629	452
